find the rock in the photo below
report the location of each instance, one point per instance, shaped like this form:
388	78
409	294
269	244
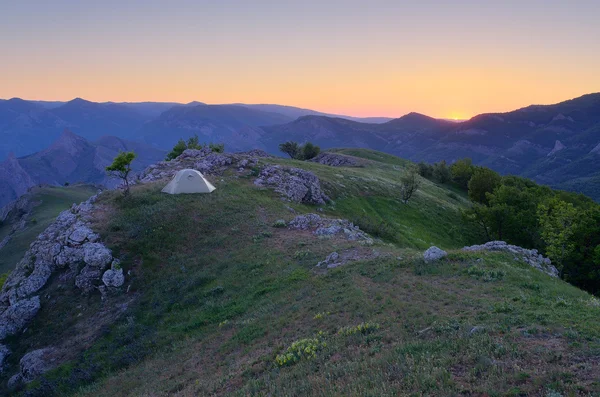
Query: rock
335	160
87	278
68	242
17	315
4	353
293	184
330	261
97	255
203	160
14	381
433	254
303	222
531	257
35	363
325	227
113	277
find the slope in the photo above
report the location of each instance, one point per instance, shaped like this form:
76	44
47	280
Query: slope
42	207
217	294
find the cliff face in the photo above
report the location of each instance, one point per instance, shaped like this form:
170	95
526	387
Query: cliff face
14	180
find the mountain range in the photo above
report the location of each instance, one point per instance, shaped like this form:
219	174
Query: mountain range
557	145
29	126
70	159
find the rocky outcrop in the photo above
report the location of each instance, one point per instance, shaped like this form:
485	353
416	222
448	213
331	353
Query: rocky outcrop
336	259
68	244
335	160
434	254
294	184
531	257
325	227
203	160
32	365
558	146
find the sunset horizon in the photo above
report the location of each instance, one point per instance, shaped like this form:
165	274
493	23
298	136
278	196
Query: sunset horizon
388	59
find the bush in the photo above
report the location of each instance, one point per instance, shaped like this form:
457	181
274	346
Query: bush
425	170
300	152
362	328
441	173
303	349
193	143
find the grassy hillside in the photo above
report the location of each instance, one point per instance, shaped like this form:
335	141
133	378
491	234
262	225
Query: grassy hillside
222	302
50	201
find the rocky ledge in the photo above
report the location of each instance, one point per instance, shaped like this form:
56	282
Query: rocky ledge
203	160
68	245
293	184
531	257
326	227
335	160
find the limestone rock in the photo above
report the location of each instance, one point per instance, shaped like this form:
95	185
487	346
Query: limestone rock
35	363
531	257
114	277
326	227
335	160
68	242
16	316
294	184
433	254
96	255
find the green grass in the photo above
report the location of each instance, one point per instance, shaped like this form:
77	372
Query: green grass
228	304
52	200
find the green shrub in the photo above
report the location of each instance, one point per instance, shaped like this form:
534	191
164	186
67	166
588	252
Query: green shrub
3	278
362	328
303	349
486	275
279	223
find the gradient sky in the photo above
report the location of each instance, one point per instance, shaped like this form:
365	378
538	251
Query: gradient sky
450	59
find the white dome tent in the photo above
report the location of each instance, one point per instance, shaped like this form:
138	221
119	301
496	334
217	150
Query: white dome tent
188	181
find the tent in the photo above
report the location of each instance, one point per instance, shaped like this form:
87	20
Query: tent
188	181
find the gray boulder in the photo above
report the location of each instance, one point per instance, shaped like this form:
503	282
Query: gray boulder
113	277
325	227
335	160
16	316
294	184
434	254
97	255
34	364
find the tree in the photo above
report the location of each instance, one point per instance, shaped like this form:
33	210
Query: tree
290	148
193	143
558	222
462	171
482	182
441	173
409	184
425	170
310	151
179	147
121	167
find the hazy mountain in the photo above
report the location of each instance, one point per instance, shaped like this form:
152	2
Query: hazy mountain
72	159
216	123
26	127
295	112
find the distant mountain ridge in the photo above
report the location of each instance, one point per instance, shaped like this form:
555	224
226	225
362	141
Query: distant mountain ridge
557	145
30	126
71	159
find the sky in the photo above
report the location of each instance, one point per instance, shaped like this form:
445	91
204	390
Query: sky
450	59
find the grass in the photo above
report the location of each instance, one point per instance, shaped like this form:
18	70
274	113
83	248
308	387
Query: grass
228	304
52	200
